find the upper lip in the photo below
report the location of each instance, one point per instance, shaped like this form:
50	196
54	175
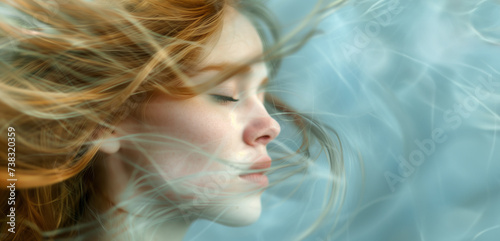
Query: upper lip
261	163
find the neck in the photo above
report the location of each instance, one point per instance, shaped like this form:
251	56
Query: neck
150	223
174	230
147	229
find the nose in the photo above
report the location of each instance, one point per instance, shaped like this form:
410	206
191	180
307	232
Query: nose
261	130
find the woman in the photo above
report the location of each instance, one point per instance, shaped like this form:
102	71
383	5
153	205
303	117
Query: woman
134	118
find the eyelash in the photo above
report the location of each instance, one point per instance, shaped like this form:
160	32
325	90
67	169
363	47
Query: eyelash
224	99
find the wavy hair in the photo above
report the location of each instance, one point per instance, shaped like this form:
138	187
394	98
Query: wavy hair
72	70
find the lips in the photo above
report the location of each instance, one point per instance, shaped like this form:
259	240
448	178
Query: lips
258	177
263	163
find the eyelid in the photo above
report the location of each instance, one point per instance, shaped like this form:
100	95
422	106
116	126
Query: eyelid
224	99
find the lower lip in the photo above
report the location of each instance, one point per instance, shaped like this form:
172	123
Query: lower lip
256	178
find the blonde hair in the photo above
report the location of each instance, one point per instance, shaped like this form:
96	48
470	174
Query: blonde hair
72	70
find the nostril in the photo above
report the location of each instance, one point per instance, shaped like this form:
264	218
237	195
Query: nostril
261	130
264	139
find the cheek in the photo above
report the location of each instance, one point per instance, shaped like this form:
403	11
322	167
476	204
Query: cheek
193	167
184	136
197	176
203	183
190	120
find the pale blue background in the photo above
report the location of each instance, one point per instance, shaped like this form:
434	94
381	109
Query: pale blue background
399	85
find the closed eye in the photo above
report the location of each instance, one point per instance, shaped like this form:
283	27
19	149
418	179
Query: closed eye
224	99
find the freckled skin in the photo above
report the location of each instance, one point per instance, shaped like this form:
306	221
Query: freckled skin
235	131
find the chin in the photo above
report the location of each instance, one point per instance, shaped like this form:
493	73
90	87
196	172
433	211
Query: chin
241	212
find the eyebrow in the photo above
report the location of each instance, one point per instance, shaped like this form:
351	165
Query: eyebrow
223	66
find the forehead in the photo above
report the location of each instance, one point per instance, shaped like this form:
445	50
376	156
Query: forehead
239	41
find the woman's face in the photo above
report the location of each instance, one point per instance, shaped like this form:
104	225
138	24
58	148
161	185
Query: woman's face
228	122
